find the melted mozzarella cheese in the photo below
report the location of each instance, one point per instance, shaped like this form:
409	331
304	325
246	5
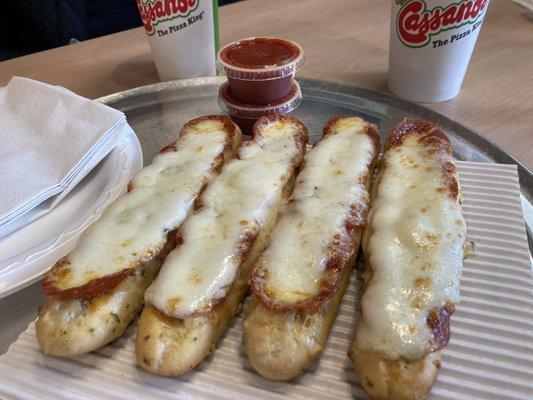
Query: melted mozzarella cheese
414	248
134	228
332	180
235	207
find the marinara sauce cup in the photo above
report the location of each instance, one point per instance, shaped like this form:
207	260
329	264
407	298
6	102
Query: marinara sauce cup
260	70
245	115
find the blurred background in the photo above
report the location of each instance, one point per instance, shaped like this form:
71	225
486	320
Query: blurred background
28	26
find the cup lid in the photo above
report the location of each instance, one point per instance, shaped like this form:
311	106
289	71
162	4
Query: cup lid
265	72
238	109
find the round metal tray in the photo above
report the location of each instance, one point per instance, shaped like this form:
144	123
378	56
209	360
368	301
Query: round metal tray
157	112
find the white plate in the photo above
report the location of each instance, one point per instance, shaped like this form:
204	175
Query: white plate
26	254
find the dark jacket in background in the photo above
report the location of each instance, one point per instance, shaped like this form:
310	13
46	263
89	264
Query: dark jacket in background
27	26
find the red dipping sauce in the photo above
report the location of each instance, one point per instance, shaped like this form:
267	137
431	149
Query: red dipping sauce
260	70
259	53
245	115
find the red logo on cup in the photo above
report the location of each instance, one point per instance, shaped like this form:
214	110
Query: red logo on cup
416	25
153	12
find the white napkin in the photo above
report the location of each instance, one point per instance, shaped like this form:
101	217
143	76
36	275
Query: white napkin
50	139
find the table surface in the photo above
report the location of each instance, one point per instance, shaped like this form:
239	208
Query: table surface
346	42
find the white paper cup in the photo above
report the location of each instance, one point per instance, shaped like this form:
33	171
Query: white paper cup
182	36
431	42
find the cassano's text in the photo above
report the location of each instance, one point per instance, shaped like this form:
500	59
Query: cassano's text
178	27
456	36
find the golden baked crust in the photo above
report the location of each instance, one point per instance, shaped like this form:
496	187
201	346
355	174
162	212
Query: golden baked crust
283	341
173	346
386	368
68	326
399	379
282	345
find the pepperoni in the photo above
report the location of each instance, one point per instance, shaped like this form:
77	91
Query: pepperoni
90	289
439	322
107	283
339	251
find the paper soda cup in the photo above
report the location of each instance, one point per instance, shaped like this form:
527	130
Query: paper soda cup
183	36
431	42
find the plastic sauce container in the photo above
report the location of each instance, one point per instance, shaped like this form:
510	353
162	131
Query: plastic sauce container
260	70
245	115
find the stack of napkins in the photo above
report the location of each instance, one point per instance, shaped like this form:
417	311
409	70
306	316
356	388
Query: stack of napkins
50	139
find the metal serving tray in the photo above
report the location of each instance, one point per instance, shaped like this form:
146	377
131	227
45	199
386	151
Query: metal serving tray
157	112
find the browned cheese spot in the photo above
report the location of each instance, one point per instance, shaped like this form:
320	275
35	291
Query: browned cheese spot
431	240
417	303
195	278
407	161
174	303
63	271
422	283
427	266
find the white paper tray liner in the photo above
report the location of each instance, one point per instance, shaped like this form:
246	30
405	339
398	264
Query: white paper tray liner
490	355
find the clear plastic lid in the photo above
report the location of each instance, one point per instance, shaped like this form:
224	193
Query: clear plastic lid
265	72
237	109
